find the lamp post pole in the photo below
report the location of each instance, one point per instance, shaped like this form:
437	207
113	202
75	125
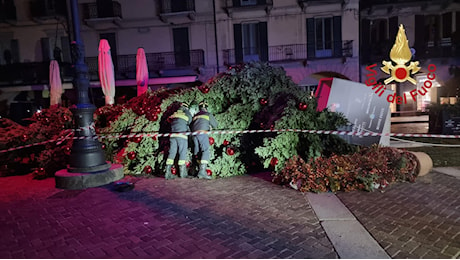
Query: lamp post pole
86	154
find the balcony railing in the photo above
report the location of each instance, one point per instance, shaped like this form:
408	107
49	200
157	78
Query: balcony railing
7	11
175	6
95	11
125	67
247	5
287	52
45	9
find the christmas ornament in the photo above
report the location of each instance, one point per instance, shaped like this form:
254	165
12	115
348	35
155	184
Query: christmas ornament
274	161
204	90
225	143
303	106
137	139
132	155
211	140
230	151
103	146
24	137
263	101
154	117
173	171
208	172
148	169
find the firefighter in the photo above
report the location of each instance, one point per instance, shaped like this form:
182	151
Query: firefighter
178	142
203	121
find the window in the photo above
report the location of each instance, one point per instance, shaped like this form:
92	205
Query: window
251	42
248	2
324	37
379	30
447	25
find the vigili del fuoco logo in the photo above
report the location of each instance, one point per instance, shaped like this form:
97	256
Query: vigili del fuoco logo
400	71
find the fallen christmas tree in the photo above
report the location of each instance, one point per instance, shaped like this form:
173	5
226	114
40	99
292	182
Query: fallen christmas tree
252	96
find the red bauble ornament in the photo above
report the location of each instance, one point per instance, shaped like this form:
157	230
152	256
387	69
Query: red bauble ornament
204	89
24	137
154	138
263	101
173	171
230	151
67	150
132	155
148	169
262	125
158	109
303	106
274	161
225	143
154	117
208	172
103	146
211	140
187	164
137	139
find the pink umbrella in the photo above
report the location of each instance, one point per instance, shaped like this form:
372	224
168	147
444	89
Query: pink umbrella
142	72
106	72
55	83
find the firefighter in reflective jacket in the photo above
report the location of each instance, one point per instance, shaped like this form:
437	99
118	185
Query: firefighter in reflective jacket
178	142
202	121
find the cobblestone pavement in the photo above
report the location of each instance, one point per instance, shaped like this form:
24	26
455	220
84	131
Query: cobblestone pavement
412	220
239	217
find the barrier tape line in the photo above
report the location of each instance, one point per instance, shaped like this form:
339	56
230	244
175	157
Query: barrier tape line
328	132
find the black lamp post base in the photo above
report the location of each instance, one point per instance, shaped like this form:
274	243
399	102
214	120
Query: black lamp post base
78	181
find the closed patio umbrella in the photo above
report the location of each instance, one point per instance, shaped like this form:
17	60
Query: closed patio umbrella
106	72
142	72
55	83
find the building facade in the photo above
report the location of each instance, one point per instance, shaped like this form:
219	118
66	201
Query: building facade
310	39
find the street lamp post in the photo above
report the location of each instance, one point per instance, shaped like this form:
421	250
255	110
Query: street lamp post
86	154
87	166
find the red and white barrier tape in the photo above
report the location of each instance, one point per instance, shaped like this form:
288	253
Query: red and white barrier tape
328	132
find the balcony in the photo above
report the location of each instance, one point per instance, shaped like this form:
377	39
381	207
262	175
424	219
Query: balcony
159	64
306	3
102	15
30	73
177	9
286	53
247	6
381	51
48	9
7	12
